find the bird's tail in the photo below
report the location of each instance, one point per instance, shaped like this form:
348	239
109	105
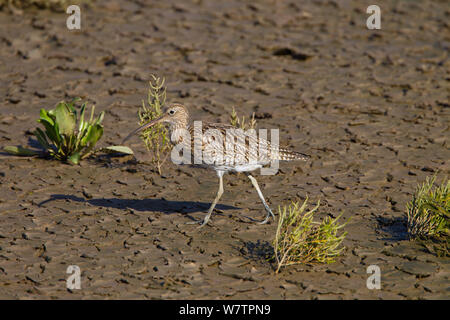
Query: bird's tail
289	155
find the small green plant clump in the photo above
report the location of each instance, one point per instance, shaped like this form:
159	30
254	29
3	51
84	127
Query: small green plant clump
429	214
300	239
240	123
67	137
156	138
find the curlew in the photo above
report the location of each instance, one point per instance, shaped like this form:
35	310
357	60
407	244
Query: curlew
243	152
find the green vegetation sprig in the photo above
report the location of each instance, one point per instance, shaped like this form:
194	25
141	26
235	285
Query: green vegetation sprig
67	137
240	123
429	215
299	239
156	138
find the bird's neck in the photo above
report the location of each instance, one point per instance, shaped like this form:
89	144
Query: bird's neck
178	132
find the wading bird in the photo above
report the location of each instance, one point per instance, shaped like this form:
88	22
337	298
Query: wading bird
219	153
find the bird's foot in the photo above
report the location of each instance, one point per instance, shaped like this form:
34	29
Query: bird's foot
269	214
265	220
201	222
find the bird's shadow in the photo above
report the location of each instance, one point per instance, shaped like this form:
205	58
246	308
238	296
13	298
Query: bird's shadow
148	205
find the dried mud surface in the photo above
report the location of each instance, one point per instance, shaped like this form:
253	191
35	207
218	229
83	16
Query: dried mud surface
371	107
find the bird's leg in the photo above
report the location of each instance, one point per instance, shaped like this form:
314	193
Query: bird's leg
213	205
269	212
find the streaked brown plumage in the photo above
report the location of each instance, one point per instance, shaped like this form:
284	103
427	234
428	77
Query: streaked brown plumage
219	152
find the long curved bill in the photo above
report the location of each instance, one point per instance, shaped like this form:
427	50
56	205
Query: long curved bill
142	128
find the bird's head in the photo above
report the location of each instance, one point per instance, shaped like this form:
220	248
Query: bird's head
176	115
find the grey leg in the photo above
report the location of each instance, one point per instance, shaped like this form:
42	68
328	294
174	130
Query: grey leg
269	212
213	205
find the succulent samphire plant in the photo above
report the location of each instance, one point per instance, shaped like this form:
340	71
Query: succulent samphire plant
156	138
300	239
236	122
66	136
428	215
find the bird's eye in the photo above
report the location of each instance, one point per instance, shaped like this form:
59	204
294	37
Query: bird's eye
171	111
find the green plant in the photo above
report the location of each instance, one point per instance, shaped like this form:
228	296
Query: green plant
429	215
67	137
156	138
238	123
300	239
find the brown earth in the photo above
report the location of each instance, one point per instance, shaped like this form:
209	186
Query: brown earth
370	106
